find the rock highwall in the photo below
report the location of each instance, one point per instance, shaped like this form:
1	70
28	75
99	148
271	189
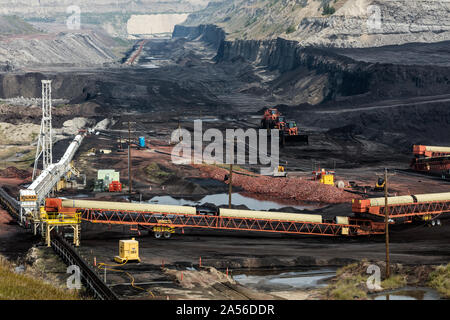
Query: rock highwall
343	76
208	33
346	76
351	23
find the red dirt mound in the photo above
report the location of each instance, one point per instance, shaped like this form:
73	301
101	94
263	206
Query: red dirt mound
299	189
13	172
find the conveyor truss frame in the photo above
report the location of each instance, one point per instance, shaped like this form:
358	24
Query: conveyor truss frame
135	219
410	210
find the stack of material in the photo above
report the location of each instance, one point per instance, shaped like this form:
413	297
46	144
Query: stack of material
299	189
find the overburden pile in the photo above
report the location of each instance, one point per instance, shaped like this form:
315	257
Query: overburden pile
299	189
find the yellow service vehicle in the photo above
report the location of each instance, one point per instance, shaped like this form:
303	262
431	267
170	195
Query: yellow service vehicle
379	186
164	230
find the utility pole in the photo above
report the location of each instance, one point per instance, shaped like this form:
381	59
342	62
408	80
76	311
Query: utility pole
386	219
130	178
129	159
230	185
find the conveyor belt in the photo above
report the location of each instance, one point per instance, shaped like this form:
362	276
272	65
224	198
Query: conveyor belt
135	219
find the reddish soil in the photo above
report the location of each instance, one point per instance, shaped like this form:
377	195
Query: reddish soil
14	173
5	218
299	189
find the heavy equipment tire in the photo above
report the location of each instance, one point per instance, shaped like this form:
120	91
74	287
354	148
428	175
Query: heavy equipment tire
167	235
157	235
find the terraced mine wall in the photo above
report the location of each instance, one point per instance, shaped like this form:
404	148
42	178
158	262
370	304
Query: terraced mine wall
343	76
340	82
208	33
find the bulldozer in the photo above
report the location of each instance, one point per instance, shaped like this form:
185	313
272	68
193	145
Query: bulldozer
281	123
273	119
289	133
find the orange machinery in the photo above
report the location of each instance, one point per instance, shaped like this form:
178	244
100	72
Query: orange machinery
432	159
290	128
290	133
270	118
430	151
425	206
281	123
115	186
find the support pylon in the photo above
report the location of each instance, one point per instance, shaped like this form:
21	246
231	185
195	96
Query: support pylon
45	135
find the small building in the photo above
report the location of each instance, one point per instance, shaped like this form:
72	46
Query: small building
107	174
105	178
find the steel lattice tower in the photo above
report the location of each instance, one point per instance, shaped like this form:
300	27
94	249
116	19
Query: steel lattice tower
45	135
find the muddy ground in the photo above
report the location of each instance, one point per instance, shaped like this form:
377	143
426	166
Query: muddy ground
246	252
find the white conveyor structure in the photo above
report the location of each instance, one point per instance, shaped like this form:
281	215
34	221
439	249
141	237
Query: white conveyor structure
34	196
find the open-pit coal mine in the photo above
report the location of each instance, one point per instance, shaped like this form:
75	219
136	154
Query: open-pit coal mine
349	117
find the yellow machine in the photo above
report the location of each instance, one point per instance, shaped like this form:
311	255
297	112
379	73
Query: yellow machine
128	251
324	177
280	171
327	179
50	220
379	186
60	185
164	230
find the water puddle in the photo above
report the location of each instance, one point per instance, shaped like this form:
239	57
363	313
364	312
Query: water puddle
286	281
237	199
409	293
149	66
